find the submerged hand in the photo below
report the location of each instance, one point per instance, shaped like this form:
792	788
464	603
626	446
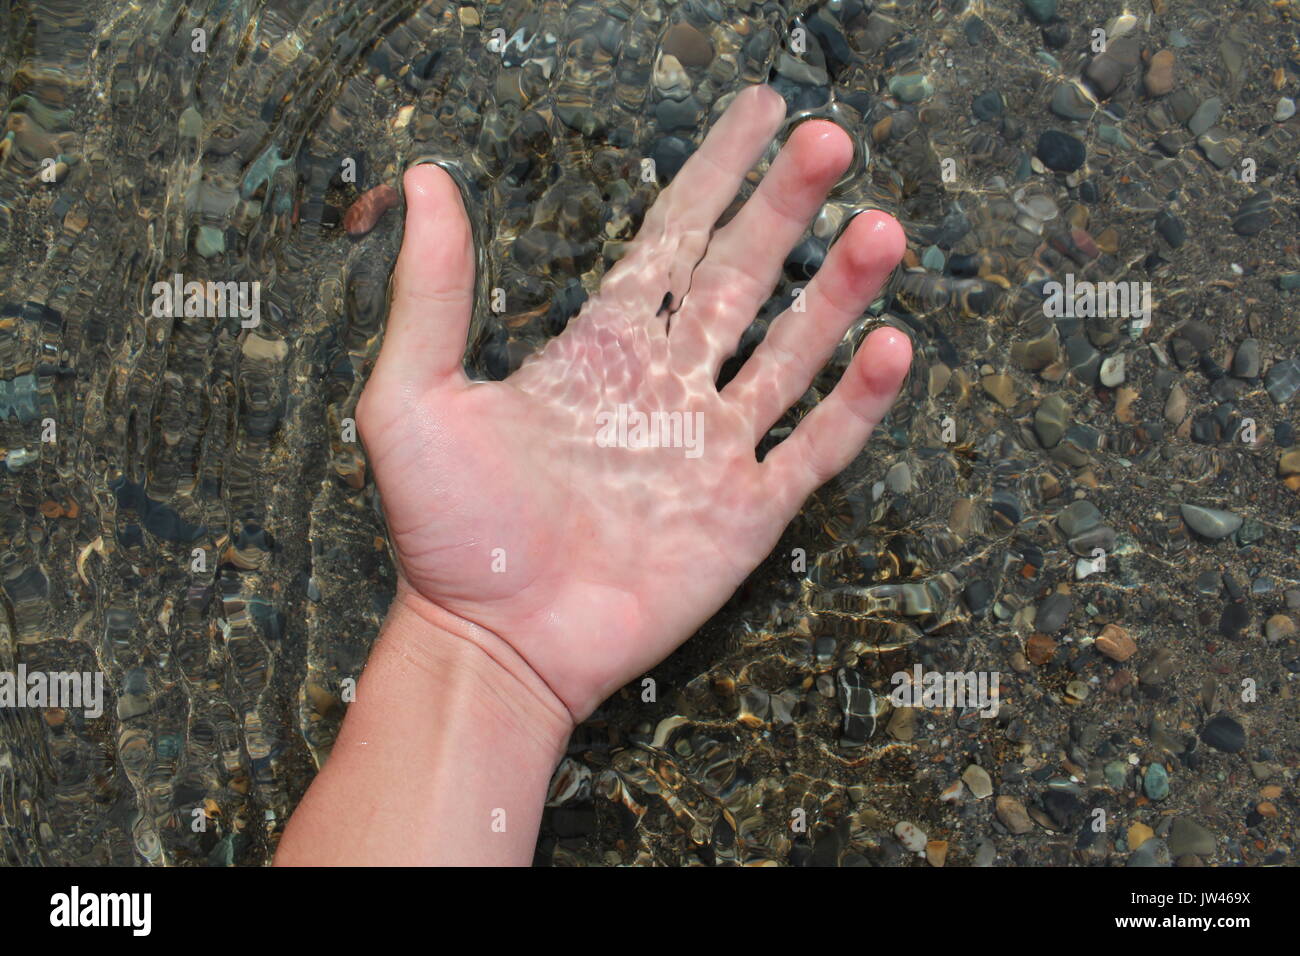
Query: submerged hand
506	503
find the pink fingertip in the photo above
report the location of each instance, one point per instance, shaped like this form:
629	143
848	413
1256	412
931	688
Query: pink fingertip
886	358
878	242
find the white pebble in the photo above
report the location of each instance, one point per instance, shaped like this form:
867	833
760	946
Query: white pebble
911	836
1112	370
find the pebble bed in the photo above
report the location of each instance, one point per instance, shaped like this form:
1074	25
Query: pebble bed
1099	510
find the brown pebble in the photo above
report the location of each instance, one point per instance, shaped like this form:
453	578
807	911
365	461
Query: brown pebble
1289	462
1000	387
1266	809
1176	405
902	725
959	517
936	851
369	207
1085	243
1119	680
1040	648
1115	643
939	377
1012	814
1160	74
1279	628
689	45
1124	399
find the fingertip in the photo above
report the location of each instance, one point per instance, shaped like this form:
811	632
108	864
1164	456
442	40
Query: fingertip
824	148
417	182
878	242
767	96
885	359
427	187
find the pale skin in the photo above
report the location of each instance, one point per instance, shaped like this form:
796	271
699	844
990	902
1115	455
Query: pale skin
539	570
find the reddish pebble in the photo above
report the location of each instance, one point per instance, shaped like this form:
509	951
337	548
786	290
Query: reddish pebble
1040	648
1084	241
1119	680
369	207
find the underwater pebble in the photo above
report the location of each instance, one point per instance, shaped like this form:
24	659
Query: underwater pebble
368	208
1060	151
911	87
1115	643
1213	523
1206	115
1160	74
1041	10
977	780
1279	628
1012	813
911	836
1152	853
691	47
1254	214
1224	733
1112	370
1070	102
1188	836
1283	380
1156	782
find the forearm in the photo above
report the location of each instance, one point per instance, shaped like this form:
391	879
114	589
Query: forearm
443	759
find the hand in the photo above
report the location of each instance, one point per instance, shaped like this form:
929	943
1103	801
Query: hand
593	562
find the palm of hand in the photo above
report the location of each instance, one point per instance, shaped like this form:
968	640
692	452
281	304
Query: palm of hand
506	502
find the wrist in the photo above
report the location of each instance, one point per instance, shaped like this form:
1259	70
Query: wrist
444	757
473	660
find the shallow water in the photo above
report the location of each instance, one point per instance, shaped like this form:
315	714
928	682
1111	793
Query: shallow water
226	676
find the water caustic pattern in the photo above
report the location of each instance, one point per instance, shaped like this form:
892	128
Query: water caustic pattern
187	509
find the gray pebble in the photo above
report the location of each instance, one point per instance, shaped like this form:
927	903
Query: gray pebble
1051	419
1053	613
1246	361
1254	214
1283	380
1155	852
1070	102
1206	115
1187	836
899	478
1213	143
1212	523
1078	517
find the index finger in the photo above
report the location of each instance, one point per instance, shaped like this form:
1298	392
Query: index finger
676	230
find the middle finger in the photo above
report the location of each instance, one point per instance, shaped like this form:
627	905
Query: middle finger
745	257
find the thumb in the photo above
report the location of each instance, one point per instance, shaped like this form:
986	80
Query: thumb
433	283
